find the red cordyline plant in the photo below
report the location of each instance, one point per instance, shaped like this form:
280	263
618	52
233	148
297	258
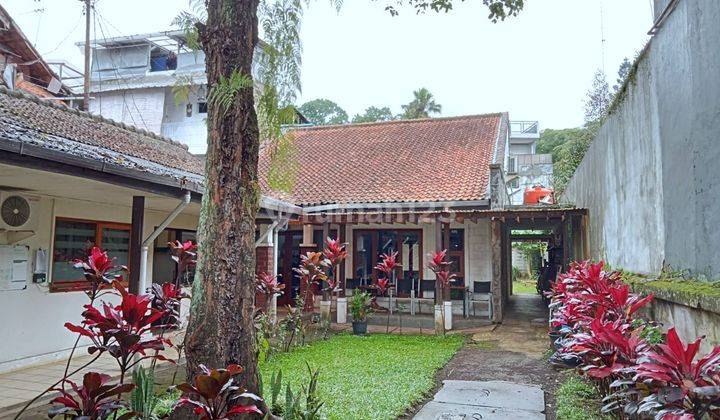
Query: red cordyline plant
96	399
640	379
335	253
269	286
441	267
214	395
681	385
99	270
185	255
387	266
122	330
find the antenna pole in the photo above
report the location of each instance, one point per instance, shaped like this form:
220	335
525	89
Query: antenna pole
86	83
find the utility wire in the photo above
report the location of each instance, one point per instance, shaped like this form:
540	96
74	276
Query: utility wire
65	38
117	74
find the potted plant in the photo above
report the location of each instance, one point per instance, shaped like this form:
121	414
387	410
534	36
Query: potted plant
359	309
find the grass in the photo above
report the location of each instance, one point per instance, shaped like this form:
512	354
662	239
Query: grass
524	286
691	288
378	376
577	399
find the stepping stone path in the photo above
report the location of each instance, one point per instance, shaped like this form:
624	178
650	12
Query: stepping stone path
471	400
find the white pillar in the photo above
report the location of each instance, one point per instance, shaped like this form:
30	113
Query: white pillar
447	306
342	310
439	327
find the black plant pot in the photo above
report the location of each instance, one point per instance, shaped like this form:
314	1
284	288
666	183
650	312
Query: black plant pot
554	335
359	327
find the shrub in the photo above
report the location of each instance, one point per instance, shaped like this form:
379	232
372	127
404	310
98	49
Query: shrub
639	373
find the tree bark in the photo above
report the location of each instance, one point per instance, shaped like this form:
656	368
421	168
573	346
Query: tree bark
221	331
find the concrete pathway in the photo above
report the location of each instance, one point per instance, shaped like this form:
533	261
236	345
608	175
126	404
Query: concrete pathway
484	400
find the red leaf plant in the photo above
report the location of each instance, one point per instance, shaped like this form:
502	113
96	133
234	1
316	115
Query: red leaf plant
122	330
681	385
387	266
99	270
185	255
94	400
437	261
269	286
213	395
166	298
335	251
445	278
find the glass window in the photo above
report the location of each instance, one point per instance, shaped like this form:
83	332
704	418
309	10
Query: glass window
457	240
73	239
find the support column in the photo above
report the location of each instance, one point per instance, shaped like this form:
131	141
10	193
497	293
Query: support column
136	239
343	240
438	247
496	286
306	246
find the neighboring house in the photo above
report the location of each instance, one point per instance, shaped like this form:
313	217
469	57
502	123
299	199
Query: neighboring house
525	168
154	82
22	67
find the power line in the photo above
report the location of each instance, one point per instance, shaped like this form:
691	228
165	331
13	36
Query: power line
65	38
117	74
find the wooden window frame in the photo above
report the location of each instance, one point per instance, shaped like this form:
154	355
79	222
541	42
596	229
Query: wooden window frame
460	255
374	250
81	284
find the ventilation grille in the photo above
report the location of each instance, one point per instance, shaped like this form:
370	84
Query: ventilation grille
15	211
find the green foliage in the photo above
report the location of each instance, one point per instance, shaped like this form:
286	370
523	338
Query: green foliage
372	377
223	94
324	112
499	9
142	398
568	147
577	400
374	114
422	105
623	73
359	305
690	288
598	98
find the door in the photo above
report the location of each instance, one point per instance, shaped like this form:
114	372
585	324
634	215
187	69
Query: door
289	257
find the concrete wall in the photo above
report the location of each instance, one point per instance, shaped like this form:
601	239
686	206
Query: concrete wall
178	126
649	178
35	327
142	108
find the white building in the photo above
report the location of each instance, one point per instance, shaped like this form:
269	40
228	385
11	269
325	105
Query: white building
526	168
153	82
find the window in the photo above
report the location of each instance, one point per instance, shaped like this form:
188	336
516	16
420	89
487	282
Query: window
512	165
202	107
164	267
369	245
515	183
73	239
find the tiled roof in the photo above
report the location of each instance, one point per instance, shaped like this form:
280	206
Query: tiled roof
28	119
439	159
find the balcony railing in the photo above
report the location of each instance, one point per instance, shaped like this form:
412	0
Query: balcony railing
523	127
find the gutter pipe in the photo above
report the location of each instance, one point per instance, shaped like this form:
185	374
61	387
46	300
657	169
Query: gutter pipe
150	239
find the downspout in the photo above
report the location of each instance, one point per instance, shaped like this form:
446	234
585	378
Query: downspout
150	239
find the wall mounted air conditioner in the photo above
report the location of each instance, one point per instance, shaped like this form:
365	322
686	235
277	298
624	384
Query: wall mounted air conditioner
18	215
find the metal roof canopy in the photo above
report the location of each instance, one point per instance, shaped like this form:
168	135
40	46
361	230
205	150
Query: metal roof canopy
173	41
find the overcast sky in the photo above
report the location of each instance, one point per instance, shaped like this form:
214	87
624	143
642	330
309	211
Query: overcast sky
537	66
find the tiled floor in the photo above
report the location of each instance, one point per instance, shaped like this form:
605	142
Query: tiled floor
20	386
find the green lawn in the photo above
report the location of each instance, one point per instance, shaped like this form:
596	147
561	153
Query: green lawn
524	286
377	376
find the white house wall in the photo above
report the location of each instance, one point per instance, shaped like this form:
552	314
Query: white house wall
36	331
142	108
191	130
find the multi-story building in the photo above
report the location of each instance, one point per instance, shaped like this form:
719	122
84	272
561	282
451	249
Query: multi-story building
154	82
526	168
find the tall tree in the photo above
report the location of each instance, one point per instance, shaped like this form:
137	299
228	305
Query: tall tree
623	73
421	106
221	329
324	112
374	114
598	99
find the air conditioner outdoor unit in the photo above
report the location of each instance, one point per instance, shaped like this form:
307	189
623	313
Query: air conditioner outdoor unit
18	213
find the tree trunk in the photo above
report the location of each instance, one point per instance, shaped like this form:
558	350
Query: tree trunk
221	331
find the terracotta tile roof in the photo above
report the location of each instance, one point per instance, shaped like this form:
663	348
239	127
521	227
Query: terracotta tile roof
439	159
56	127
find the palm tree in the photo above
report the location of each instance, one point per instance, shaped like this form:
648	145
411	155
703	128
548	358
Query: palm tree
422	106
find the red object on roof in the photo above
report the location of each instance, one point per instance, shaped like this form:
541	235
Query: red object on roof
436	159
538	195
